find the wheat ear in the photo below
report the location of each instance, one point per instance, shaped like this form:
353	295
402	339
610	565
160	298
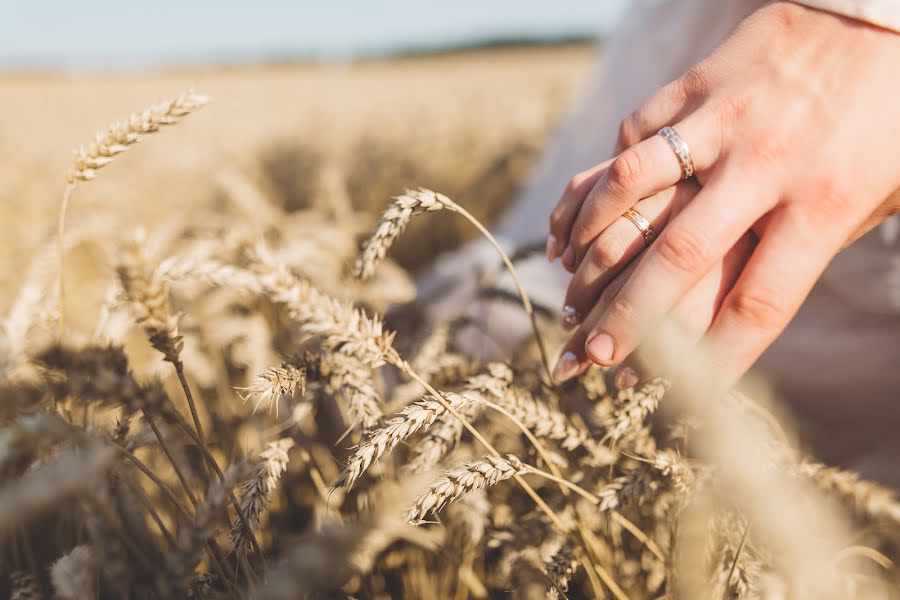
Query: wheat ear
117	138
24	586
863	497
634	407
257	490
456	482
411	419
74	576
415	202
270	386
444	435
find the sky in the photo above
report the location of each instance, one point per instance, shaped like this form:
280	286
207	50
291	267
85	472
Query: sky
109	34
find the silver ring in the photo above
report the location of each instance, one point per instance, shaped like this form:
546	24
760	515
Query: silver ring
641	222
681	150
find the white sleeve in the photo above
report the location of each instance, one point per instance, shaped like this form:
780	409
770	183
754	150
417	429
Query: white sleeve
884	13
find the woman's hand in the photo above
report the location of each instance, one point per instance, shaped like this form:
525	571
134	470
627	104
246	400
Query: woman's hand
794	136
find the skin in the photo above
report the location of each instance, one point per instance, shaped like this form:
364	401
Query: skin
796	148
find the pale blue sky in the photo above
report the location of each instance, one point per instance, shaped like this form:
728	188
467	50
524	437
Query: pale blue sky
71	34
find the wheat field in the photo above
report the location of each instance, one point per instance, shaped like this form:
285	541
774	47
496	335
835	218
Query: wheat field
218	382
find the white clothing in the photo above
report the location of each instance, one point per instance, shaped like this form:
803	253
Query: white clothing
840	357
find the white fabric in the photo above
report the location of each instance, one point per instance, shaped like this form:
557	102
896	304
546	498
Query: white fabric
839	358
884	13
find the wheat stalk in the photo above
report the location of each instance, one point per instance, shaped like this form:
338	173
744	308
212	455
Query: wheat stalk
270	387
149	295
456	482
865	498
351	379
632	486
414	202
443	436
257	491
411	419
24	586
393	222
635	406
543	420
340	324
117	138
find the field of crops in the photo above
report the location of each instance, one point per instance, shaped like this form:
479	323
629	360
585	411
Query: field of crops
218	382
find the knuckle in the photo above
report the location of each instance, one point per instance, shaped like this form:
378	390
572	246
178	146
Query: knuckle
581	235
695	82
631	129
684	249
606	253
759	307
732	109
572	186
626	170
766	150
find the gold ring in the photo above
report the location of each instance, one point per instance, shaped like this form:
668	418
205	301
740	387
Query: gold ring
641	222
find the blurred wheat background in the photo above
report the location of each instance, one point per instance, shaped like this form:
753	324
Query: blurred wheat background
242	396
468	123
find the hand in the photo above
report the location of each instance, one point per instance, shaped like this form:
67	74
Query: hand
793	137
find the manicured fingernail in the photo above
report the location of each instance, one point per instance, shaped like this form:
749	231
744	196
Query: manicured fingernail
566	366
568	258
626	377
551	247
570	317
601	348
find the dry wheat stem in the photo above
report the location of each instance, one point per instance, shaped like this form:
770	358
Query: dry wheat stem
737	557
108	144
564	485
211	461
165	448
149	291
151	510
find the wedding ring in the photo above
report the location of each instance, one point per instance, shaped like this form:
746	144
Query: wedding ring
641	222
681	150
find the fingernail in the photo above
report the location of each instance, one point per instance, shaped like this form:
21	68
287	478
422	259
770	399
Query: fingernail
568	258
551	247
566	366
601	348
570	317
626	377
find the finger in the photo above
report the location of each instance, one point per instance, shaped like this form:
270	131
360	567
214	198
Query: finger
778	277
615	247
692	242
639	172
668	105
696	311
573	360
567	208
